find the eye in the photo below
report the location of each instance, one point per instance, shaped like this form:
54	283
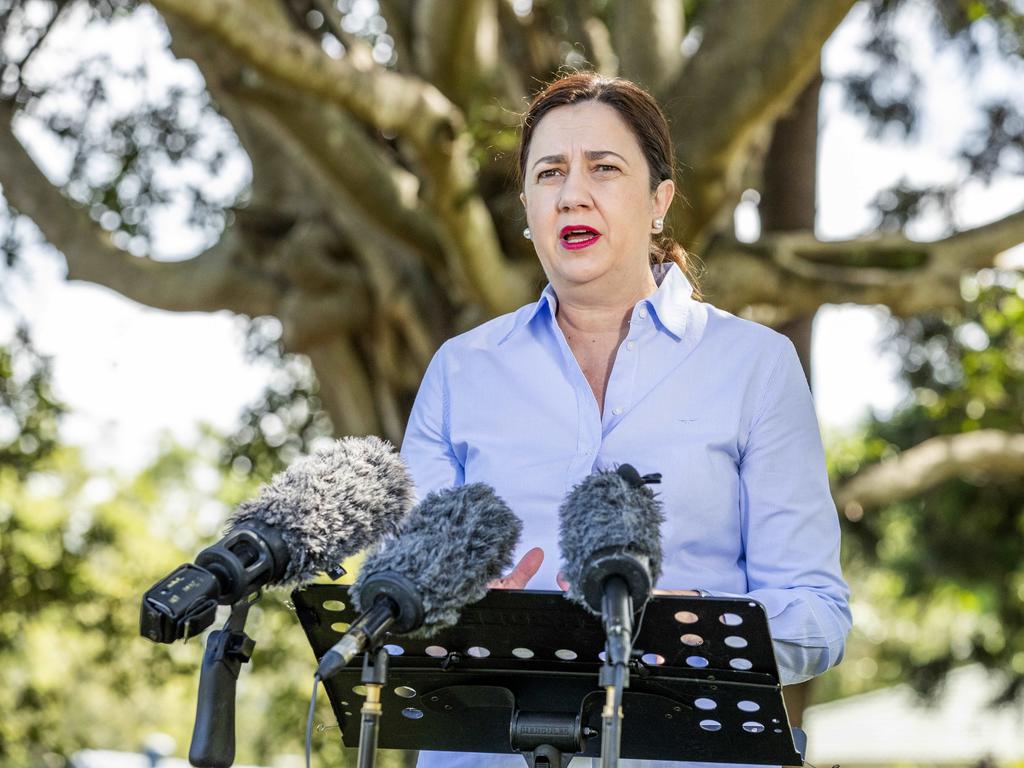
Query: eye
605	167
547	173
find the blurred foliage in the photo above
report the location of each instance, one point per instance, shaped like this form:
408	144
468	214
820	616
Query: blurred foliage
940	578
77	550
887	93
287	420
128	152
28	410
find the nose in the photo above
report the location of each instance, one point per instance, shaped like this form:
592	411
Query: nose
574	192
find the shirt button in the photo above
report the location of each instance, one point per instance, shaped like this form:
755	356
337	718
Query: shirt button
643	314
616	411
630	345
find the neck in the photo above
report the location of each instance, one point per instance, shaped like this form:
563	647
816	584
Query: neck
596	310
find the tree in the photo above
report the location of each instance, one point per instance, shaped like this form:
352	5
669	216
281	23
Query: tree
936	529
379	219
77	551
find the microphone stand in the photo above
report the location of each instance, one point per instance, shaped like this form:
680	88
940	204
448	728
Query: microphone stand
213	737
375	673
617	609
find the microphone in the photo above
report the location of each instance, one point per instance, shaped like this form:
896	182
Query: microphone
452	545
321	510
610	536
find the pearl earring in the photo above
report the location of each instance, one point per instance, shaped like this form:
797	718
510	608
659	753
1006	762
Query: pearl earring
659	224
527	234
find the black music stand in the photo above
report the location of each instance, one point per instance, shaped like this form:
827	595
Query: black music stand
519	674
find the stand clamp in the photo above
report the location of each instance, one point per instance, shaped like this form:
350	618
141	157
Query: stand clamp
375	675
548	739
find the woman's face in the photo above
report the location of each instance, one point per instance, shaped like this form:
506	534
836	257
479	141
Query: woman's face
585	171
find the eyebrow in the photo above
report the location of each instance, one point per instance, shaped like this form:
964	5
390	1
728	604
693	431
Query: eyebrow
595	155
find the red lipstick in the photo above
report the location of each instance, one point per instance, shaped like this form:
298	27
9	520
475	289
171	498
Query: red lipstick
577	236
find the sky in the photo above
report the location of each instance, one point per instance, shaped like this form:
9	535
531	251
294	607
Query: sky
130	373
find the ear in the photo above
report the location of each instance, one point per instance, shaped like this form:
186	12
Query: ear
522	198
662	197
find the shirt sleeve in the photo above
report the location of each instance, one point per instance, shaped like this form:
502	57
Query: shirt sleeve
790	527
426	447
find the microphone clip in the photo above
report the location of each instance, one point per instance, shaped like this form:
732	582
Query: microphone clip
629	473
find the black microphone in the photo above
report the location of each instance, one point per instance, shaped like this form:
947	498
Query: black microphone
452	545
321	510
610	536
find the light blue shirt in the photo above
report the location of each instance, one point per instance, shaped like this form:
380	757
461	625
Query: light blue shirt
718	405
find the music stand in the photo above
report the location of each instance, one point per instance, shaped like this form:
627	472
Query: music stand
519	674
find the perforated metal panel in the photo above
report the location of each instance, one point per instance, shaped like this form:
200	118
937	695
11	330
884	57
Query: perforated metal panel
705	688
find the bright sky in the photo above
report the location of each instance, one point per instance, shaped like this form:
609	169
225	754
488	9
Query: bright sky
130	373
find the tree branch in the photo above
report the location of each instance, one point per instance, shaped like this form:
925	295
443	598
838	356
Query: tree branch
797	273
648	35
398	14
414	110
370	194
214	280
275	184
357	49
456	45
742	78
987	452
529	50
346	392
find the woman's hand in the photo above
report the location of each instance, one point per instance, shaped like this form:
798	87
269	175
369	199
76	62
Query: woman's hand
525	569
520	576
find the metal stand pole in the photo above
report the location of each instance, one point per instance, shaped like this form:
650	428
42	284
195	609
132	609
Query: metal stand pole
375	672
614	679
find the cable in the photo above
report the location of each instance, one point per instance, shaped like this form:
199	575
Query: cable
640	622
309	721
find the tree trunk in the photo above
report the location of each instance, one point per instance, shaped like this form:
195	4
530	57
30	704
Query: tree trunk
788	204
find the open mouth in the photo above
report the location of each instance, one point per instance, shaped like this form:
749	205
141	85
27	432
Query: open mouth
575	238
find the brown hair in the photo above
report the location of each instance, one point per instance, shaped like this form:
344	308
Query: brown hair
644	118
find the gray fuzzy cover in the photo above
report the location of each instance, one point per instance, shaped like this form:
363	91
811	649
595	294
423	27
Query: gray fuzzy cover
451	546
332	504
606	511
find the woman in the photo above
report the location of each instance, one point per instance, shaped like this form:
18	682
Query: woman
620	362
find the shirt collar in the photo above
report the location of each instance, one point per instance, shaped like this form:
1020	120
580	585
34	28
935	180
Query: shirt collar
670	303
547	301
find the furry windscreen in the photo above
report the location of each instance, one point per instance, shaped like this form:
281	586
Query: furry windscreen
333	504
606	511
451	546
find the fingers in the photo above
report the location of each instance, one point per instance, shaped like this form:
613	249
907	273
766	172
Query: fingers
520	576
562	583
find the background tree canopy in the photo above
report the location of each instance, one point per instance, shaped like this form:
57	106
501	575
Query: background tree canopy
346	167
